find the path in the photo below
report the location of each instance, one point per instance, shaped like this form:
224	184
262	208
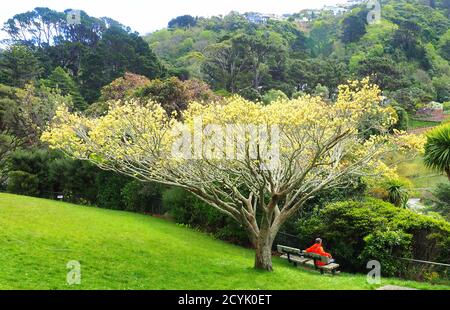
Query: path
395	288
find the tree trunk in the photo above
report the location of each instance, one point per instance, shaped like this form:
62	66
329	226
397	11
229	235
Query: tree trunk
448	173
263	257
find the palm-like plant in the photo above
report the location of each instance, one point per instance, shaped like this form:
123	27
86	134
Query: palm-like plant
397	193
437	149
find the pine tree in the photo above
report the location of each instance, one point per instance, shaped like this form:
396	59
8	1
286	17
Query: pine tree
60	79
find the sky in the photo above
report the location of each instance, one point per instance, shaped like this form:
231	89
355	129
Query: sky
146	16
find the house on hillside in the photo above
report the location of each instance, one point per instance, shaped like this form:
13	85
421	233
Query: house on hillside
307	15
258	18
351	3
336	10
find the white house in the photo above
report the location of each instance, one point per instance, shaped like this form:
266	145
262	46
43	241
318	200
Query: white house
337	10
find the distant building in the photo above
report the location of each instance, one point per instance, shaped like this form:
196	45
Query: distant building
277	17
256	18
351	3
307	15
259	18
303	16
337	10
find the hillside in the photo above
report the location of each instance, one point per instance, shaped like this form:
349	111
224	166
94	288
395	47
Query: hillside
120	250
406	53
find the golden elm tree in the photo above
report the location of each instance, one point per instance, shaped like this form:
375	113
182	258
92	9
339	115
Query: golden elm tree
259	179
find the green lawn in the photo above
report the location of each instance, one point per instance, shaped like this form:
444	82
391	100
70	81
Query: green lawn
417	123
120	250
421	177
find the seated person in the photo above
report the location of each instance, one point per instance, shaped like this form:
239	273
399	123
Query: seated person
318	249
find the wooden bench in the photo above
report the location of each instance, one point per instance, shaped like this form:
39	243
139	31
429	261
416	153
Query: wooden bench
299	257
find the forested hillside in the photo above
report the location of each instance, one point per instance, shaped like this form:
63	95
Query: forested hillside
407	53
93	52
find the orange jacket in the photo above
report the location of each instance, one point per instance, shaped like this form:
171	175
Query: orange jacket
318	249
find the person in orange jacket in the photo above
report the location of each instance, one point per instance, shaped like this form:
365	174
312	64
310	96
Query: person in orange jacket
318	249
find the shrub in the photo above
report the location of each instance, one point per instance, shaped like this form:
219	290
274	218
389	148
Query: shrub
185	208
298	94
442	86
388	247
46	174
435	105
273	95
188	210
142	197
431	237
109	188
379	192
56	174
223	93
446	106
403	118
23	183
441	200
345	225
354	189
321	91
176	201
410	98
250	94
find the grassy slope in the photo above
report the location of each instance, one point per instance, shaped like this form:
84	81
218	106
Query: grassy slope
420	176
417	123
120	250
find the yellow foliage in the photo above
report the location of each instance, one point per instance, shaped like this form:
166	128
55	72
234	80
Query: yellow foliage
324	139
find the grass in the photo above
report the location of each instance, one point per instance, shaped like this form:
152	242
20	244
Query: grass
417	123
420	176
120	250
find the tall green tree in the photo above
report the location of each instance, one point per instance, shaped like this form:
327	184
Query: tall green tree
9	140
444	45
118	51
260	49
306	74
38	27
224	64
93	51
18	66
61	80
185	21
322	36
354	26
384	72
